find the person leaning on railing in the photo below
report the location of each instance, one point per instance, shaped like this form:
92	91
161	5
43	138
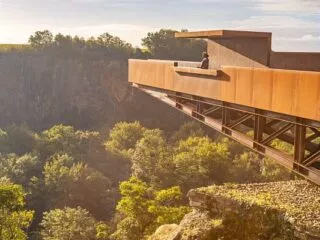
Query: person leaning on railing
205	61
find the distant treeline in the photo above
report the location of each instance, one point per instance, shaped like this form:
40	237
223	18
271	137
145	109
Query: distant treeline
161	44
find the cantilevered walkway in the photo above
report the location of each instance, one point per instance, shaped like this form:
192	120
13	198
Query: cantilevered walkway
249	93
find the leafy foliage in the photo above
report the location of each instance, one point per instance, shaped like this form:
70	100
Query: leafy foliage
123	138
200	161
67	182
41	39
164	45
14	220
19	169
146	209
77	224
65	139
152	159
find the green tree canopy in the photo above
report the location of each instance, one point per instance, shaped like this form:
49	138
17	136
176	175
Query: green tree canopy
68	182
71	223
152	159
20	169
14	220
109	41
41	39
65	139
200	161
163	45
123	138
63	40
145	209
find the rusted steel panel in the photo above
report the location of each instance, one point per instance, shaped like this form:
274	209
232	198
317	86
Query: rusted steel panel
283	91
244	85
228	89
200	86
151	73
307	95
262	85
295	93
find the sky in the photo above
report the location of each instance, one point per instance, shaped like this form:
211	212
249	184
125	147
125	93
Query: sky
295	24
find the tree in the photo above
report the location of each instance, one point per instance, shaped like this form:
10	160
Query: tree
41	39
67	183
199	162
71	223
152	159
65	139
14	220
20	169
164	45
109	41
246	168
145	209
78	42
63	40
123	138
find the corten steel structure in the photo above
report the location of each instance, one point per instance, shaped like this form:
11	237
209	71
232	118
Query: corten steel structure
249	93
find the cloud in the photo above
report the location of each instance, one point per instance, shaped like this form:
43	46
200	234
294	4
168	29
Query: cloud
273	6
289	6
275	22
304	38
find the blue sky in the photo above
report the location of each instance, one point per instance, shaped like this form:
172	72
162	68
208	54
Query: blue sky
295	24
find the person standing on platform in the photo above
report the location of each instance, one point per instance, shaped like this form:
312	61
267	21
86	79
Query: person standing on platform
205	61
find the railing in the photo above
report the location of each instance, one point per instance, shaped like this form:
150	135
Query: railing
295	93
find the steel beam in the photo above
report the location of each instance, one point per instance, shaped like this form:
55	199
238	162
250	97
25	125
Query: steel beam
277	133
211	110
241	120
258	120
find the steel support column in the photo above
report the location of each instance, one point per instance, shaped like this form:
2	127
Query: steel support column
259	126
299	145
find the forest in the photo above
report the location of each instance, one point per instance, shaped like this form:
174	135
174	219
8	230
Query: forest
83	156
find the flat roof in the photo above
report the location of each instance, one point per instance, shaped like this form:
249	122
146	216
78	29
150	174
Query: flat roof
223	34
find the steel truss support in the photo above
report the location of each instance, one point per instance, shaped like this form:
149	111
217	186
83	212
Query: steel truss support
231	120
259	128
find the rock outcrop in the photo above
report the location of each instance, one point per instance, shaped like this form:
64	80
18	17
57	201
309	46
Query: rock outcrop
269	211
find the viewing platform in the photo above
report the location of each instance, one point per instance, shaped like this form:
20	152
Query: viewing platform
247	88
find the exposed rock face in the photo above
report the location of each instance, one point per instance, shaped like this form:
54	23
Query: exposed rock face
167	232
83	89
271	211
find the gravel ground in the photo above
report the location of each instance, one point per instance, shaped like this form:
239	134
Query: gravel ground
300	200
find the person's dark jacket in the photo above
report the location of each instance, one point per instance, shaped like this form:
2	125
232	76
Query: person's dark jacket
205	63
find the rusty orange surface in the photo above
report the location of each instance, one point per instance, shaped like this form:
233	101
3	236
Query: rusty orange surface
291	92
